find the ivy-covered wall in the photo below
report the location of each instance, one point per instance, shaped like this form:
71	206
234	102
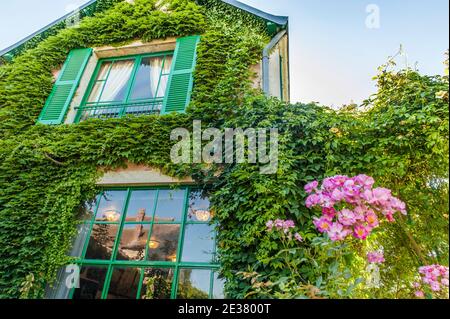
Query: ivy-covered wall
47	172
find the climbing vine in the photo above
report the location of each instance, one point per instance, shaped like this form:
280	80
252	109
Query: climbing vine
47	173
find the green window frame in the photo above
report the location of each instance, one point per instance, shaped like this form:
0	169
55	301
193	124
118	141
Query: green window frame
118	109
177	266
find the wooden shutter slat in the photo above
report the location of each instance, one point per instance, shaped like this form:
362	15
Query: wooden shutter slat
64	89
181	79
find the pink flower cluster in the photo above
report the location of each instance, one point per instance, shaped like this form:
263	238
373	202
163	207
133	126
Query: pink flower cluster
285	226
363	205
434	276
376	257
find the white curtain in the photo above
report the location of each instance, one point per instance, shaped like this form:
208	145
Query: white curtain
155	71
165	78
117	80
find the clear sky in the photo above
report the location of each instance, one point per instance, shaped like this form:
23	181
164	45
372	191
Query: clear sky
334	55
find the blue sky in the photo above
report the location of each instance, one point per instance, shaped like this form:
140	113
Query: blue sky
333	54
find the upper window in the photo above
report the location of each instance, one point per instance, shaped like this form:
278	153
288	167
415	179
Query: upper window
131	85
128	85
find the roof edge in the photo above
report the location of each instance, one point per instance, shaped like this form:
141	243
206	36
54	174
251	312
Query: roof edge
278	20
36	33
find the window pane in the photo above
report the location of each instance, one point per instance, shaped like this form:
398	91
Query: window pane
218	287
157	283
163	86
95	93
116	85
97	88
79	241
102	241
133	242
124	283
147	78
103	71
92	279
198	243
163	243
170	206
199	210
111	206
193	284
165	76
140	206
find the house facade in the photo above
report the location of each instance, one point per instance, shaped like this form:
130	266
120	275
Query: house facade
147	234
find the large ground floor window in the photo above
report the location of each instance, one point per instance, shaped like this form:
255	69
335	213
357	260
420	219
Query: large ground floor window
148	243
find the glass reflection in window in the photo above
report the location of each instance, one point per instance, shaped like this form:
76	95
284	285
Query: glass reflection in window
170	205
199	208
111	206
198	243
124	283
193	284
157	283
163	244
140	206
101	242
92	280
133	242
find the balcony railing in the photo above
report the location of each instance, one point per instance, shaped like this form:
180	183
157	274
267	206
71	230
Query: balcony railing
117	110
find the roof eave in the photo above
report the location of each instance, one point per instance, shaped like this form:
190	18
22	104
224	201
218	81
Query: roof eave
280	21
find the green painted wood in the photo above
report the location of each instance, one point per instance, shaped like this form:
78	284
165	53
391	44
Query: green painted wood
58	102
181	78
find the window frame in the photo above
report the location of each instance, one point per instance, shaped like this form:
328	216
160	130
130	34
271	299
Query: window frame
113	263
127	101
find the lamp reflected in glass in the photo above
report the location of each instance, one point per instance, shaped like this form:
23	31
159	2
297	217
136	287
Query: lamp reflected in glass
202	215
111	215
173	258
153	244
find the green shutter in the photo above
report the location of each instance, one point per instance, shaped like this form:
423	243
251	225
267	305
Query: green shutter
181	79
58	102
